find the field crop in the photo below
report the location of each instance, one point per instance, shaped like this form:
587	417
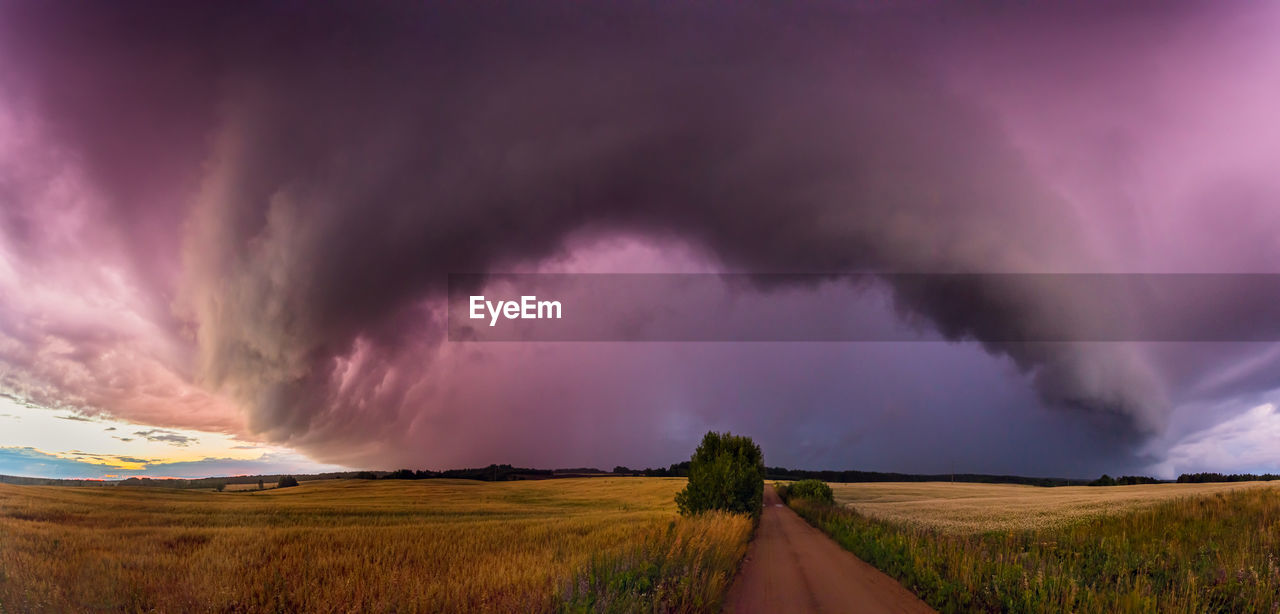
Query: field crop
1158	548
975	508
242	487
368	546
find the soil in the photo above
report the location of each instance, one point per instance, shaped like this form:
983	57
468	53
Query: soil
793	567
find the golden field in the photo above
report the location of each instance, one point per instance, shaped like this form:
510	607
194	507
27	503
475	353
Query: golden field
366	546
976	508
241	487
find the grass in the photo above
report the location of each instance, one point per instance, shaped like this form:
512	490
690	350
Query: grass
346	546
977	508
688	566
1216	551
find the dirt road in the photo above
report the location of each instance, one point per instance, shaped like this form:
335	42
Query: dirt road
793	567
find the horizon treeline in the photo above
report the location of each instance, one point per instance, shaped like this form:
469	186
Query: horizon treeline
506	472
783	473
1126	480
1200	478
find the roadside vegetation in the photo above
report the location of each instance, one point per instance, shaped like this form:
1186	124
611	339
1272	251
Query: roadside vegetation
686	567
814	490
594	544
1216	552
689	566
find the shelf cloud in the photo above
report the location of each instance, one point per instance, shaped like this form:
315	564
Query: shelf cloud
243	218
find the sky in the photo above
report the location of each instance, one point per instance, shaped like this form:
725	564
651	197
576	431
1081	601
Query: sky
226	232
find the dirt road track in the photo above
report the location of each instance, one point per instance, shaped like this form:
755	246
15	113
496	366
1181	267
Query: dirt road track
793	567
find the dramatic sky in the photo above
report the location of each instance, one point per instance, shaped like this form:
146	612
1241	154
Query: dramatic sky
226	231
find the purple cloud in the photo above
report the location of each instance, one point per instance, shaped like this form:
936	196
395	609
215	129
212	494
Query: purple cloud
243	220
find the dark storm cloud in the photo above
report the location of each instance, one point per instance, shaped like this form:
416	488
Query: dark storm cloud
320	169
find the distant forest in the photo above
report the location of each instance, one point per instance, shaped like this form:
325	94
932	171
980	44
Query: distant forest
782	473
504	473
1197	478
1125	480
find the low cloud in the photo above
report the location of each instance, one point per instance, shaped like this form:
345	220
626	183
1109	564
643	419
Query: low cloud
169	437
1245	442
75	418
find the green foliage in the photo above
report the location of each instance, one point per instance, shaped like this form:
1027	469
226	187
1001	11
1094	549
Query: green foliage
726	473
287	481
1202	554
814	490
220	486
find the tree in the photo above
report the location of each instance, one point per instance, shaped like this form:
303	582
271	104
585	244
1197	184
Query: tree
261	486
287	481
220	486
725	473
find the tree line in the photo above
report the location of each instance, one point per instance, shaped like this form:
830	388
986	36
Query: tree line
1198	478
1125	480
783	473
506	472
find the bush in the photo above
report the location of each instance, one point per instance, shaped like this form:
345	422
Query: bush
814	490
726	473
287	481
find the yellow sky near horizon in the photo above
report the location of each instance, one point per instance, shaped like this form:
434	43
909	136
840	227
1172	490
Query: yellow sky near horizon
117	445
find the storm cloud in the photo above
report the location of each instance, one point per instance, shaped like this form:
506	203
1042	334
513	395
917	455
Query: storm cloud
280	191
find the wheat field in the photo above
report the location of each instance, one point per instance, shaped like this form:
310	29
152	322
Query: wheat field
976	508
350	546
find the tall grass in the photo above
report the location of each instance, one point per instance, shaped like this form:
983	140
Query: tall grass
332	546
686	567
1213	553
